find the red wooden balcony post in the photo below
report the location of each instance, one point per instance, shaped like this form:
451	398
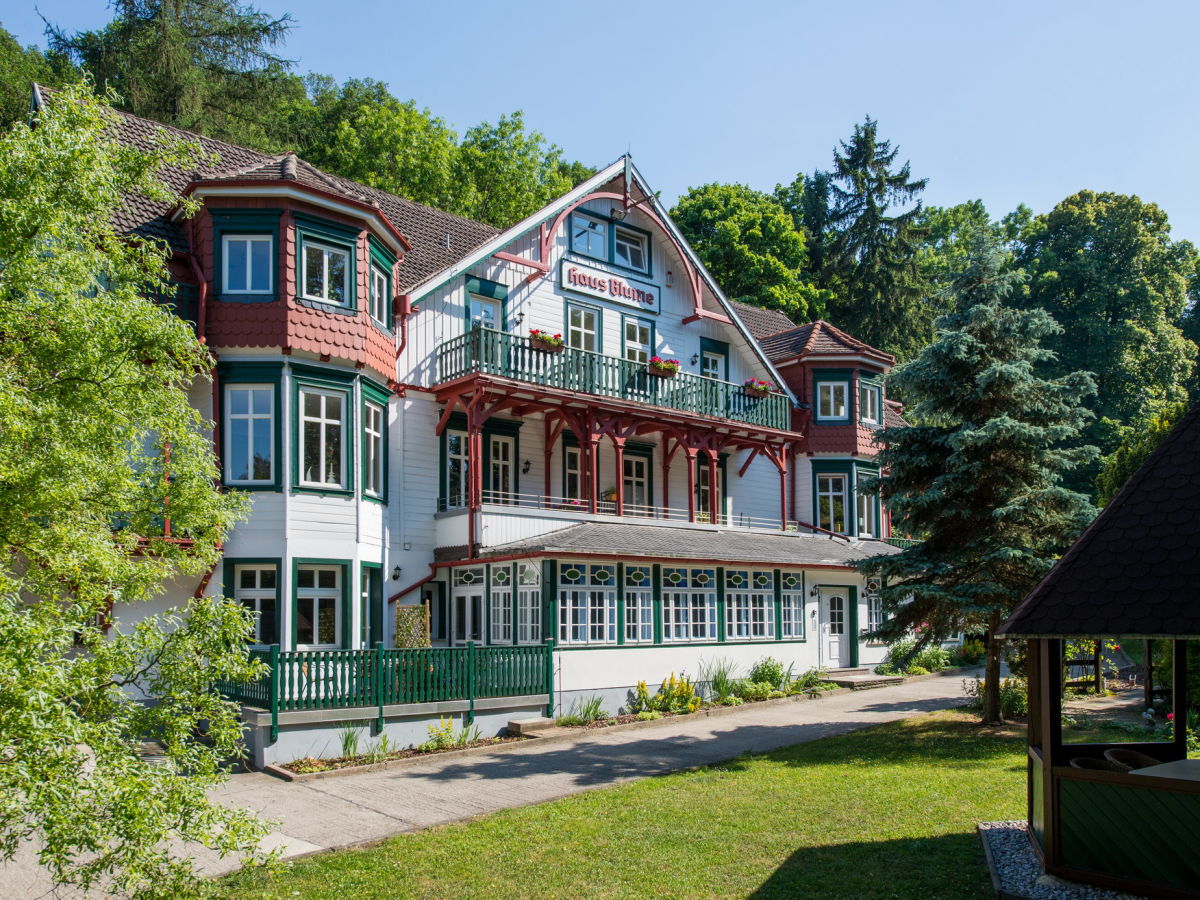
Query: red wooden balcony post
666	475
714	495
619	453
593	471
691	463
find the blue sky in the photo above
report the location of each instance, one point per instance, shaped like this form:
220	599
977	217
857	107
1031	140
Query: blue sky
1010	102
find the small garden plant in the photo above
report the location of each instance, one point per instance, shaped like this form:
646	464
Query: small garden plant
583	713
905	659
675	695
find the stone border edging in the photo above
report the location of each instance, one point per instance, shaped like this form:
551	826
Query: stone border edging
554	735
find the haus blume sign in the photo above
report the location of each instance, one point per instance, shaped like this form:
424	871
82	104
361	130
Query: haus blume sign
594	282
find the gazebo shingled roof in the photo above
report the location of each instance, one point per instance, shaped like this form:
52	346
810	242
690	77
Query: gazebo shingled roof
1135	572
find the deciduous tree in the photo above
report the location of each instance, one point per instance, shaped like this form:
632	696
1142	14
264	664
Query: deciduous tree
751	246
93	389
980	478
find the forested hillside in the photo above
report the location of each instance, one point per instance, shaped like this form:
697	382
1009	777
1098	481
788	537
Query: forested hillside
851	241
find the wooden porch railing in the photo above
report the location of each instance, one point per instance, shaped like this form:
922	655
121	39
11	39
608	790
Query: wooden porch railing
488	352
337	679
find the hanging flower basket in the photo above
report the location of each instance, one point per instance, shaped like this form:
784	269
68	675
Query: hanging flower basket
663	368
546	342
757	387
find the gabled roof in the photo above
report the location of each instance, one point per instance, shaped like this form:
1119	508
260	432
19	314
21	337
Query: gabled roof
893	417
819	338
668	542
439	239
761	322
1135	571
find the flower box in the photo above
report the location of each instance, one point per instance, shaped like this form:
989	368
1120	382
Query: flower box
546	342
756	387
662	368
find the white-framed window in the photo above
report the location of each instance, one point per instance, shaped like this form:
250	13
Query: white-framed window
712	364
583	328
374	417
379	299
638	339
587	603
704	494
529	603
325	274
792	612
322	438
639	605
589	235
689	600
484	312
572	473
247	261
874	605
867	515
831	399
249	434
501	470
831	502
630	248
501	618
257	588
318	607
869	401
456	469
749	605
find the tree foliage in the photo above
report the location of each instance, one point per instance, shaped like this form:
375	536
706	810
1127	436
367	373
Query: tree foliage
980	479
20	67
1105	267
94	382
751	246
1137	444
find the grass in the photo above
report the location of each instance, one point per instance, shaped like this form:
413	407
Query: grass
885	812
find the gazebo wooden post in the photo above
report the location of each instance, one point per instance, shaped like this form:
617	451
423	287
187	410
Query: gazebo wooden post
1050	729
1148	674
1179	695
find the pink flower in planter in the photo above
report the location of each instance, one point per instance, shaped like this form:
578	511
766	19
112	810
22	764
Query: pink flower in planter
1170	717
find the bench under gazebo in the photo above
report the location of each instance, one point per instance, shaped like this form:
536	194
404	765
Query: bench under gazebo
1118	813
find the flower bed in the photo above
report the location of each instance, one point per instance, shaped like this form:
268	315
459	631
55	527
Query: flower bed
306	765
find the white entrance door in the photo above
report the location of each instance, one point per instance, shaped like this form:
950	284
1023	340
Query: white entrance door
468	615
835	644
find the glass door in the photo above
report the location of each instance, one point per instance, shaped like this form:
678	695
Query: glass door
637	485
501	474
468	615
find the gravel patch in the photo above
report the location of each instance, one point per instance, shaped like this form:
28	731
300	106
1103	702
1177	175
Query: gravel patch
1017	871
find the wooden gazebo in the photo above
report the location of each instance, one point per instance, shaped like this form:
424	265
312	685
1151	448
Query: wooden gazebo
1133	575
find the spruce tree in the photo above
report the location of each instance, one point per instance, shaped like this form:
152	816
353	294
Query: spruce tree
871	224
979	476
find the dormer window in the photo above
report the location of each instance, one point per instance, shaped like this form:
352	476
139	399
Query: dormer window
326	275
379	295
832	399
629	248
247	263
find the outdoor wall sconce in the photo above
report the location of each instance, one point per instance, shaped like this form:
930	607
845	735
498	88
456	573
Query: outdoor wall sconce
525	467
695	358
617	213
520	318
670	278
396	572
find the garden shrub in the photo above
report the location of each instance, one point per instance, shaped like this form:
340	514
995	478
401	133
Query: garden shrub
811	680
647	715
1014	696
916	670
970	653
733	701
718	678
767	670
932	658
754	690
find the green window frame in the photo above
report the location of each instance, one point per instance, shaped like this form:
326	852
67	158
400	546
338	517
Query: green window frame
710	348
823	378
383	262
323	382
870	391
875	508
487	290
374	460
231	588
370	591
851	472
312	233
234	375
573	305
234	223
601	243
343	637
457	424
638	323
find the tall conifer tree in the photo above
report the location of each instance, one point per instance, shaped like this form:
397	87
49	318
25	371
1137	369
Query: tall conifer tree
980	476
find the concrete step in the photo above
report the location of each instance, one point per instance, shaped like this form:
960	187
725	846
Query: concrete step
838	673
865	681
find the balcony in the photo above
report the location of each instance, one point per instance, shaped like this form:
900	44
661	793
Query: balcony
509	356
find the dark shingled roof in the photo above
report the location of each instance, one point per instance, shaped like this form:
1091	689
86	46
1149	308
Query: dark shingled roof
892	415
761	322
635	541
817	338
1135	572
439	238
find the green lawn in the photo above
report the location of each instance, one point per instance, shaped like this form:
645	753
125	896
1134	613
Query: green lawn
886	812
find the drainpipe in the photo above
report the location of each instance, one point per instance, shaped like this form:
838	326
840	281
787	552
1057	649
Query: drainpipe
202	302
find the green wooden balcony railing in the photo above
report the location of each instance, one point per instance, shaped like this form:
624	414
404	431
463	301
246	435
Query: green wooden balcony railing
483	351
337	679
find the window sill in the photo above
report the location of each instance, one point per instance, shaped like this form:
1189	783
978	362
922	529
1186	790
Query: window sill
265	486
819	421
317	489
329	306
380	500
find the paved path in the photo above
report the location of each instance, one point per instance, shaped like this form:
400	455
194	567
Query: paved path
331	813
338	812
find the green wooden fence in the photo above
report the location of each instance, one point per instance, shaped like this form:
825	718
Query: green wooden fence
336	679
488	352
